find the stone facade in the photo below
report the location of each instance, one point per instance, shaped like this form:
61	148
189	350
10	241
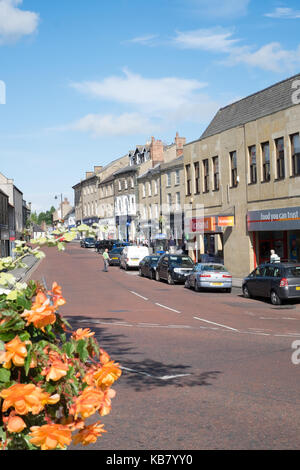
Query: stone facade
252	166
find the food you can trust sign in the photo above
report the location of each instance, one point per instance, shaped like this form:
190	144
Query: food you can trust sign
287	218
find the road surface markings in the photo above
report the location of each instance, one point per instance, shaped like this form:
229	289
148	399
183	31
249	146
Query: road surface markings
139	295
217	324
168	308
165	377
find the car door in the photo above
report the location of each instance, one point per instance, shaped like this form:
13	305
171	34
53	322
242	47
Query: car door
266	281
145	266
164	267
253	281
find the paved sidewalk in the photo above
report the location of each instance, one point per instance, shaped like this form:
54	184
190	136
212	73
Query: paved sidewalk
237	282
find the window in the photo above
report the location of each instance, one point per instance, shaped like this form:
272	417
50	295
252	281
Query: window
252	162
197	177
120	185
177	177
265	147
233	169
169	200
126	183
169	179
149	189
144	190
156	211
177	201
188	179
155	187
280	158
205	176
216	173
132	182
295	144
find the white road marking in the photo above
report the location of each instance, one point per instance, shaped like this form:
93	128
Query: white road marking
218	324
165	377
168	308
139	295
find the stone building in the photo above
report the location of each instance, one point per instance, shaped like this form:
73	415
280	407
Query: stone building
245	172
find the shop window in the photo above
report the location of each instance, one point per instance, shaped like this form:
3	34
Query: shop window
188	179
279	143
216	173
295	145
233	169
265	147
205	176
197	177
252	162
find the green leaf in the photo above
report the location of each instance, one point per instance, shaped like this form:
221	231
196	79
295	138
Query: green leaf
4	375
81	349
28	359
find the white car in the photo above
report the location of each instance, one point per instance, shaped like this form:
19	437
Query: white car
133	255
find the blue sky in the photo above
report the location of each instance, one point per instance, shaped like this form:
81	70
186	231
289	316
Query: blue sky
87	80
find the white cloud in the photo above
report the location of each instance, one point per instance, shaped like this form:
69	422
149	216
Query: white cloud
147	105
14	22
214	39
146	40
271	57
150	95
287	13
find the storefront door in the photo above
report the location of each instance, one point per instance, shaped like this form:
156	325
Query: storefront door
272	241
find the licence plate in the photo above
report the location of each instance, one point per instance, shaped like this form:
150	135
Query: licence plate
298	288
216	283
114	258
134	259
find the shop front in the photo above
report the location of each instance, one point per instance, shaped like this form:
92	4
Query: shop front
206	237
275	229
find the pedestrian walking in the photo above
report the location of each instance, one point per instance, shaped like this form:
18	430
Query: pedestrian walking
106	260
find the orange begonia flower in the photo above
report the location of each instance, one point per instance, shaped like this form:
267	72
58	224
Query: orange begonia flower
89	434
107	375
41	314
56	294
50	436
15	424
16	352
82	333
104	357
26	399
87	403
56	371
105	408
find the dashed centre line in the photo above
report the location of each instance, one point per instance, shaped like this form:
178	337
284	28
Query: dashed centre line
217	324
139	295
168	308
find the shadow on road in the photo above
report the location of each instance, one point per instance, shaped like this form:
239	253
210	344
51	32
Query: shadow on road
147	373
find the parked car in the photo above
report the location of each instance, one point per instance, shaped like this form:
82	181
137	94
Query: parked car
148	265
277	281
173	268
101	245
114	256
88	242
132	256
209	276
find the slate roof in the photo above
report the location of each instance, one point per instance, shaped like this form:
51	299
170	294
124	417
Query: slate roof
262	103
126	169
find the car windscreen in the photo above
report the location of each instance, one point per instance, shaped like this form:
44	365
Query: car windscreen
117	251
293	271
90	239
214	267
183	261
154	259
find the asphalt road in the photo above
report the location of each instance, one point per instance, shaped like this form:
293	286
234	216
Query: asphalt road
200	370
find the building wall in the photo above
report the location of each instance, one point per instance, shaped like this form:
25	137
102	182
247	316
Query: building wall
238	242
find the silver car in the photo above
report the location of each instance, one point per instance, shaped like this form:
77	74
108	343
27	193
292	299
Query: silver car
209	276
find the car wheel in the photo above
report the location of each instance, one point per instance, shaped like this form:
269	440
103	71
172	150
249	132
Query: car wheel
246	292
151	275
186	284
157	277
140	272
170	280
196	287
275	299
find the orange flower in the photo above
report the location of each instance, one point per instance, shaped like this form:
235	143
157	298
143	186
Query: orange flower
105	408
16	352
41	313
89	434
82	333
56	294
15	424
26	399
56	371
87	403
104	357
50	436
107	375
